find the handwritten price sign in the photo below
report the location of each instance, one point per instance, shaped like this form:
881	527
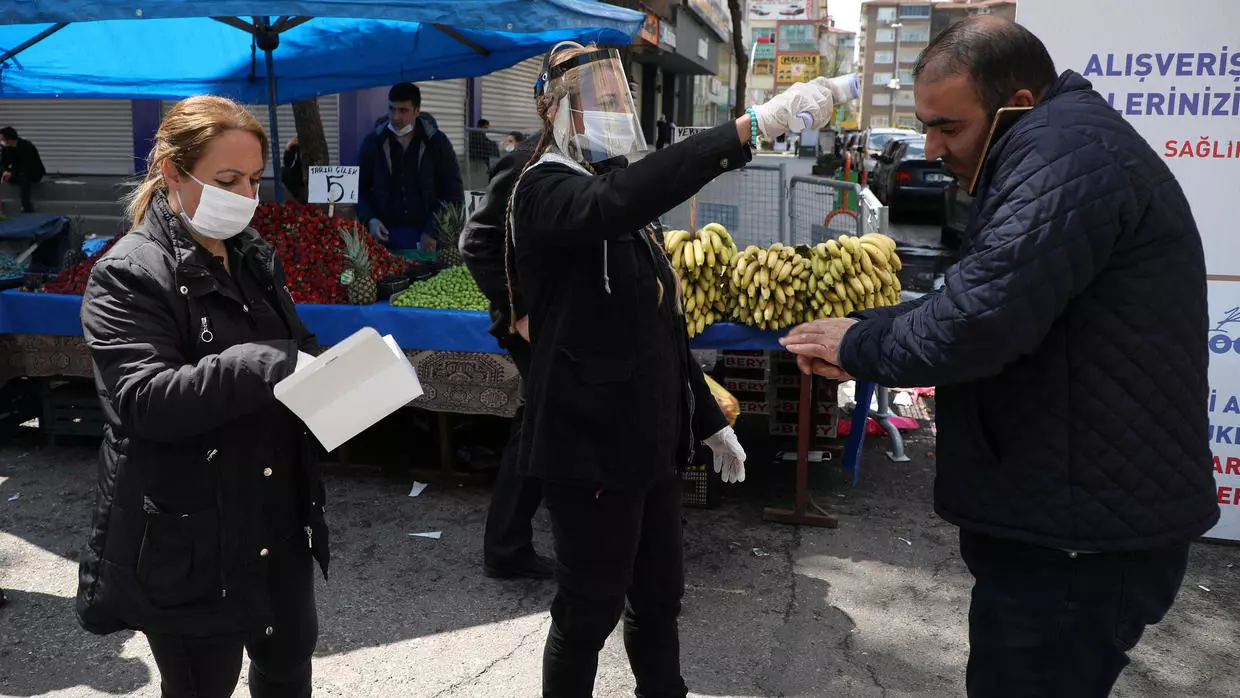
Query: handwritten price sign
333	185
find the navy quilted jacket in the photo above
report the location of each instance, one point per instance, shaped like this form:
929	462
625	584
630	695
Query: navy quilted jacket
1068	344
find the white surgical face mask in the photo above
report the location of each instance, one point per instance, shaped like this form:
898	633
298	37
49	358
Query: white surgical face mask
509	148
607	134
221	214
402	131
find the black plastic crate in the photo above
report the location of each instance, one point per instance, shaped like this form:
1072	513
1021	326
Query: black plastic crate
70	408
921	267
700	484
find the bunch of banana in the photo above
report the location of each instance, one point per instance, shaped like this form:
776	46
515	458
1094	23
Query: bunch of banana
852	274
770	286
702	259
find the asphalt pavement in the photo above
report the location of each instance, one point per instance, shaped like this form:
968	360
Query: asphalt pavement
874	608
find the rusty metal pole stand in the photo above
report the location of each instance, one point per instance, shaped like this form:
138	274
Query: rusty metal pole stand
806	426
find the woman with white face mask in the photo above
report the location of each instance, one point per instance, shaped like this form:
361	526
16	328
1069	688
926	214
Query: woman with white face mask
210	507
615	403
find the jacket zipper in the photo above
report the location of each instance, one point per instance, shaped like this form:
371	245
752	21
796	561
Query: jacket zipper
219	504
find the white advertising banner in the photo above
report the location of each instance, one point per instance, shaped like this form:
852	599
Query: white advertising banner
1173	70
783	9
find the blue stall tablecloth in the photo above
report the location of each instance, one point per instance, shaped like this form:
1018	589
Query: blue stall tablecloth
413	328
32	226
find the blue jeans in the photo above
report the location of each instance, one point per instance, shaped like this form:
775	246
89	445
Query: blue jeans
1044	622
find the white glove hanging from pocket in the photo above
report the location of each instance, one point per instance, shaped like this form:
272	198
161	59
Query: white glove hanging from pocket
729	456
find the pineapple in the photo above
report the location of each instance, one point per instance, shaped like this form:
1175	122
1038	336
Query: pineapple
358	274
77	236
450	220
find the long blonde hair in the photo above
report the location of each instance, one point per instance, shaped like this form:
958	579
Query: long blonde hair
182	138
544	105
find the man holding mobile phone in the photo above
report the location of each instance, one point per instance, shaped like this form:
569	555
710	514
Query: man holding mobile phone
1068	347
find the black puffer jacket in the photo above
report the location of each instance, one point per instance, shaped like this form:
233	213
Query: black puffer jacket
1068	344
615	398
197	453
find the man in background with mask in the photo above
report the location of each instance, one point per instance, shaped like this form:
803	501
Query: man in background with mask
1068	345
20	165
409	171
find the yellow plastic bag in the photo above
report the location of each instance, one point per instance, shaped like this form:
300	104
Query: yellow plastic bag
728	404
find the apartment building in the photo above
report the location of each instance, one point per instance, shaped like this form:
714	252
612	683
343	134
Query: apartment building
893	35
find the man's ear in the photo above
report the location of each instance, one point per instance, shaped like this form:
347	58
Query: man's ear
1023	98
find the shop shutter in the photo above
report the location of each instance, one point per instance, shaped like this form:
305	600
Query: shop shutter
75	136
445	100
329	110
508	98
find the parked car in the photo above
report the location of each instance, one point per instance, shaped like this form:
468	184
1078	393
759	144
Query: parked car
874	140
906	181
957	204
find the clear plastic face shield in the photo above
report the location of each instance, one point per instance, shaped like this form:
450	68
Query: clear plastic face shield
593	117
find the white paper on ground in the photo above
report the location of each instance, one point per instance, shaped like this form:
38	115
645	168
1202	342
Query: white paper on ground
417	488
350	387
429	534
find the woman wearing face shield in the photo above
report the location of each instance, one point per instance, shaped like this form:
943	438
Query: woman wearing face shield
209	510
616	404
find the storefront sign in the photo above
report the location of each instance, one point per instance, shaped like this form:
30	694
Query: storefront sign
667	35
796	68
716	14
764	51
784	9
703	49
1174	80
649	33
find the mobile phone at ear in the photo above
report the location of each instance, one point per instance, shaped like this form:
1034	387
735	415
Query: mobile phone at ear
1004	119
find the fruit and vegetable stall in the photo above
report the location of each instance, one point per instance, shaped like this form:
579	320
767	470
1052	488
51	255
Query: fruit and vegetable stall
343	280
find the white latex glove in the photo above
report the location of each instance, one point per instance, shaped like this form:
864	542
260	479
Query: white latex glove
729	456
303	360
378	230
778	115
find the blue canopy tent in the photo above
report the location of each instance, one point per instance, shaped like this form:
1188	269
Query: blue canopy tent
167	50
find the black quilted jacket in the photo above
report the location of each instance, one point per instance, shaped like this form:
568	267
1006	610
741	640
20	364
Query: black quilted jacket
1068	344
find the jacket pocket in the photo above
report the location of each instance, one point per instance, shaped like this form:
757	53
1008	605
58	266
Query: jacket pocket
590	393
178	561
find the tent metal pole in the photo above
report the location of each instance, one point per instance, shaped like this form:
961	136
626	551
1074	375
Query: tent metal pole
32	41
277	163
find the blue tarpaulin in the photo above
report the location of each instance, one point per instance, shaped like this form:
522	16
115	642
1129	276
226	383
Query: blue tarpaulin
167	50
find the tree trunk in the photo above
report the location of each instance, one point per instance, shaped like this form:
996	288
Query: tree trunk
742	61
311	139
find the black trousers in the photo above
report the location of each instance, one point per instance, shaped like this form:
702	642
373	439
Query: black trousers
25	185
279	663
612	546
509	533
1045	622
